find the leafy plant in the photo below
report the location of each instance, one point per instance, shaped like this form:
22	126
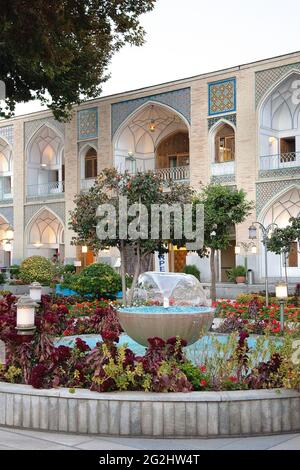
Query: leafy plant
2	278
193	270
235	272
97	279
36	268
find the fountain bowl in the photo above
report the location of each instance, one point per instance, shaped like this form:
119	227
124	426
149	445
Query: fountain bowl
189	323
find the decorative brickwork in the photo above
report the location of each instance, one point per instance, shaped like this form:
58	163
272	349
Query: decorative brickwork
229	117
266	191
32	126
57	208
179	100
7	133
223	179
265	79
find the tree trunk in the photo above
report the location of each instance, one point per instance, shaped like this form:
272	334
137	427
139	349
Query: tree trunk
285	269
213	292
123	272
137	271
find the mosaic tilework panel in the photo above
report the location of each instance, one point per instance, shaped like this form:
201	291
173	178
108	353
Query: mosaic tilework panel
180	100
32	126
265	79
7	133
266	191
222	96
8	214
229	117
87	121
279	172
223	179
58	209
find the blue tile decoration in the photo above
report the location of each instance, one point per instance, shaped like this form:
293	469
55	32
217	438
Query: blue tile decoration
222	97
265	79
7	133
213	120
179	100
87	121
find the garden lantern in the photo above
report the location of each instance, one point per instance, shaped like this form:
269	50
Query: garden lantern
252	232
281	293
26	315
84	249
9	234
254	250
35	291
77	263
7	246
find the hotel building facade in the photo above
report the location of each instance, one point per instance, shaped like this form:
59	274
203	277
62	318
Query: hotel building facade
238	127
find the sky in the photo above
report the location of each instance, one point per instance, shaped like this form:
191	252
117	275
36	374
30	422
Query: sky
190	37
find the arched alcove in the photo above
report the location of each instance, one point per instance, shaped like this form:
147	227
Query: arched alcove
45	234
6	163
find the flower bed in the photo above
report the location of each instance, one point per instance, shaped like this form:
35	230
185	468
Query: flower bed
107	367
254	317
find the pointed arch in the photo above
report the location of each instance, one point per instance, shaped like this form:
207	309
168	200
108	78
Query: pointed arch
282	206
83	156
212	135
135	139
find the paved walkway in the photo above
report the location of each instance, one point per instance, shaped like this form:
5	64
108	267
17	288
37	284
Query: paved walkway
15	439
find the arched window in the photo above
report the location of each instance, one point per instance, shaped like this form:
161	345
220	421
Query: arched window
90	163
173	151
224	144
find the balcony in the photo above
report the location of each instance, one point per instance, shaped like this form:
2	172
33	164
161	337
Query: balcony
178	173
283	164
87	183
223	172
52	190
6	197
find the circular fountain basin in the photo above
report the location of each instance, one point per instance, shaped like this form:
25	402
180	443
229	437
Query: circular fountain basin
189	323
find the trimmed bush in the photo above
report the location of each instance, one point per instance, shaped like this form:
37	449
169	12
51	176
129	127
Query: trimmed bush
2	278
193	270
36	268
97	279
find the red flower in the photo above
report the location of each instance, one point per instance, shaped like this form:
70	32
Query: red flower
203	382
156	342
81	345
110	336
233	379
202	368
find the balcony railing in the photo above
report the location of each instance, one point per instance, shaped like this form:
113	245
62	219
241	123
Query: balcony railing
223	168
5	198
87	183
46	190
279	161
179	173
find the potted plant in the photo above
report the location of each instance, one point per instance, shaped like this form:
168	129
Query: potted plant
237	274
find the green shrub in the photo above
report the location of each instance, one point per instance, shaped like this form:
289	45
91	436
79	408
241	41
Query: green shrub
193	270
36	268
2	278
233	273
97	279
68	268
14	271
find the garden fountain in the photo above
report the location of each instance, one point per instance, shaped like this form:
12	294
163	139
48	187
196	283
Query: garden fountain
175	305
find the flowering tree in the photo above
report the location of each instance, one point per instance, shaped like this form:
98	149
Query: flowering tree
142	189
223	208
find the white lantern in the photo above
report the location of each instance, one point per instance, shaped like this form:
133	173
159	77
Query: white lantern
25	315
281	290
253	250
84	249
166	302
237	250
9	234
77	263
7	246
35	291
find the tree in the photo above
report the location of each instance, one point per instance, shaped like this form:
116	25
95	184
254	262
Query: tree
141	189
282	239
61	49
223	208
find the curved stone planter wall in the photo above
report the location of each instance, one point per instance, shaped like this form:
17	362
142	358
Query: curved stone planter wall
205	414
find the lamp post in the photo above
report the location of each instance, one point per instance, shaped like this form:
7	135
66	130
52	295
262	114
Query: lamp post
26	315
84	250
35	291
281	294
265	235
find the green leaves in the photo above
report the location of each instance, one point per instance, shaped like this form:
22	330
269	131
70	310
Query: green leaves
59	51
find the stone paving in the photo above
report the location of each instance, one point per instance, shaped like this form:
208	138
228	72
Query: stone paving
20	439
